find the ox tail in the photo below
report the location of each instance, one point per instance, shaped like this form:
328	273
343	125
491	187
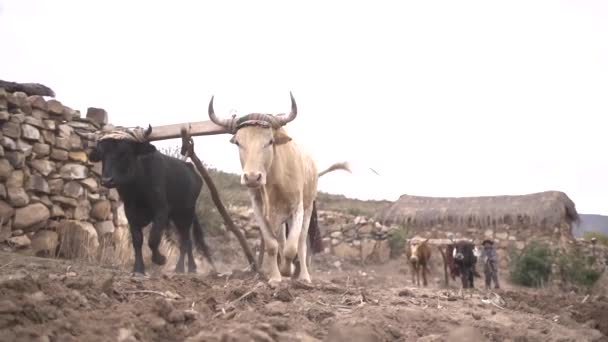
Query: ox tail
314	233
337	166
199	239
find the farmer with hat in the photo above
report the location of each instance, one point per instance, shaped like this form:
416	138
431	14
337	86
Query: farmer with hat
488	254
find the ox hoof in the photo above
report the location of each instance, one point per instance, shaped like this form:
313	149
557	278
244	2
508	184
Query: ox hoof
274	282
159	259
137	274
305	279
287	269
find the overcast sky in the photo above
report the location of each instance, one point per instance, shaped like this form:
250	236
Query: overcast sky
442	98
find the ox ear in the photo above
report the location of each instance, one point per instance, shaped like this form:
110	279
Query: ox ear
95	155
144	148
280	137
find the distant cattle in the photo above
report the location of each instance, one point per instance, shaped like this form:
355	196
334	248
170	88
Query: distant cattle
461	261
154	188
418	255
282	183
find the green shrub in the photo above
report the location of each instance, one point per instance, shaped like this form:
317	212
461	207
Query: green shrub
397	240
578	269
602	239
532	266
354	211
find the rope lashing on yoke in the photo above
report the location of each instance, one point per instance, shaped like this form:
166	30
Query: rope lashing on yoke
136	134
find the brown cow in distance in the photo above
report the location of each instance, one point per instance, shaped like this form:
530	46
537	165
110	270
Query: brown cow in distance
418	256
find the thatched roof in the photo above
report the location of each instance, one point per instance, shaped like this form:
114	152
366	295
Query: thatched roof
543	209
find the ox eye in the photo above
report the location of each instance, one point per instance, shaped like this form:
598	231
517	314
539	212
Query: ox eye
270	142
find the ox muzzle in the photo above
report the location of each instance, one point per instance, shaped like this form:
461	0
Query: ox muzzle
253	179
459	256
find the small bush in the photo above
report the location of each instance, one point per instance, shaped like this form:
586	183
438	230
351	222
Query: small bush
531	267
354	211
397	239
208	215
602	239
577	269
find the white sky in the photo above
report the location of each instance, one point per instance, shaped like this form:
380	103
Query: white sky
442	98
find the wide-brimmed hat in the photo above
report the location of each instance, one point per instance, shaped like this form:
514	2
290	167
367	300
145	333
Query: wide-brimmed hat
487	241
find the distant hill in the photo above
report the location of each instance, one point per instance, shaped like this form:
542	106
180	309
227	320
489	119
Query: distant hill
590	223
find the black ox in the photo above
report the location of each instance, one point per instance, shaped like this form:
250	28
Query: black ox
154	188
465	260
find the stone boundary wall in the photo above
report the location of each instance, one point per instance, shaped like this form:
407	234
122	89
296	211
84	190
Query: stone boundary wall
365	240
50	197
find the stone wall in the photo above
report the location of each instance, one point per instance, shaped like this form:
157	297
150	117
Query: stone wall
50	197
362	239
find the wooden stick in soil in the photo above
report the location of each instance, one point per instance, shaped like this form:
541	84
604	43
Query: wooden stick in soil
188	151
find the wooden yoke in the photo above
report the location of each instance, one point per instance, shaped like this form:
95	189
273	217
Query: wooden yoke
195	129
187	150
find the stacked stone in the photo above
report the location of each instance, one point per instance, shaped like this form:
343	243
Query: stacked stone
49	191
243	218
355	238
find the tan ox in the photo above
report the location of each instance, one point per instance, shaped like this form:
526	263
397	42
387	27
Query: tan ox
282	183
418	256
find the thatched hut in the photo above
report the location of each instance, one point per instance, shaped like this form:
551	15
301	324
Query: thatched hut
540	210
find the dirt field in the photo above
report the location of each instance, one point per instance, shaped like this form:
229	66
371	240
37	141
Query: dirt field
59	300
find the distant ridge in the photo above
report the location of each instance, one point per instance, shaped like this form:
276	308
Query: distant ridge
590	223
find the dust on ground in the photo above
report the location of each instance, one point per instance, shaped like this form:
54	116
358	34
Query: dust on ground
62	300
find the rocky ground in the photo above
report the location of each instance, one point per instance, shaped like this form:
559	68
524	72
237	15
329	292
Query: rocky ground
60	300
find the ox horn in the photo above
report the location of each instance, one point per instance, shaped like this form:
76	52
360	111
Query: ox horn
282	120
226	123
148	131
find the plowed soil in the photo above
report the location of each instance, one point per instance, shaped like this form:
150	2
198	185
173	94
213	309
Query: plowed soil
61	300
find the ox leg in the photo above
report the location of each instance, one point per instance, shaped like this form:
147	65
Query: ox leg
424	271
185	245
137	239
303	250
261	252
412	271
271	244
161	220
293	239
308	253
179	266
282	238
466	277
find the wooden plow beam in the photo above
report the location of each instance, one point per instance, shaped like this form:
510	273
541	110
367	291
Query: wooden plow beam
187	150
195	129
